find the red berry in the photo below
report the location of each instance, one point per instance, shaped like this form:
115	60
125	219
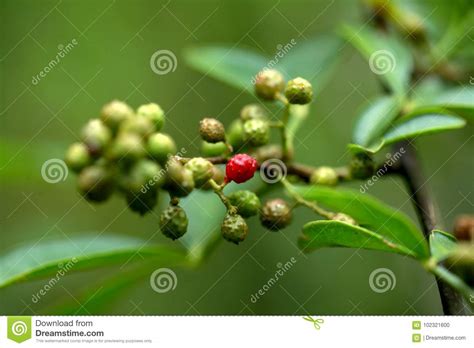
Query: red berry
240	168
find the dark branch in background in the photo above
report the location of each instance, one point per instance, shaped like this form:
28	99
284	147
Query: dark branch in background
410	170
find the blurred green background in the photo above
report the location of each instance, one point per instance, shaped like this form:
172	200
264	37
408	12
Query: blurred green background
111	60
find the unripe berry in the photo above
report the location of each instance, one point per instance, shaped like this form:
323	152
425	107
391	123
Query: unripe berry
253	111
96	183
256	132
96	136
275	214
143	176
173	222
114	113
299	91
126	148
246	202
161	146
362	166
324	176
154	113
211	130
268	83
139	125
179	180
344	218
234	228
235	135
77	157
211	150
240	168
142	202
201	169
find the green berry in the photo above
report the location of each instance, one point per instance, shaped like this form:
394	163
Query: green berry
179	180
324	176
143	176
256	132
253	111
114	113
268	83
96	136
154	113
235	134
246	202
344	218
275	214
201	169
140	125
299	91
77	157
96	183
234	228
126	148
211	150
173	222
161	146
362	166
211	130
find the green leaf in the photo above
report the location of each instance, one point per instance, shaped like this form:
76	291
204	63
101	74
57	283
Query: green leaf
388	57
320	234
442	244
422	125
80	253
375	119
234	66
371	150
370	213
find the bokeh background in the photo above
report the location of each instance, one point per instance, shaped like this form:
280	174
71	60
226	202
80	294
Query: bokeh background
116	39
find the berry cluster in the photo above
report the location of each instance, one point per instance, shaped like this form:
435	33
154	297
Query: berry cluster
124	151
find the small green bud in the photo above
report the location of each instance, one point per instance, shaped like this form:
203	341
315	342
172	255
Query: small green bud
234	228
142	202
114	113
139	125
217	175
246	202
96	136
275	214
160	146
154	113
211	150
126	148
201	169
362	166
173	222
253	111
77	157
256	132
179	180
211	130
235	134
344	218
268	83
324	176
96	183
299	91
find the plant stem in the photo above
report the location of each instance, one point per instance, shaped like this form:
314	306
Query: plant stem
410	169
218	189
